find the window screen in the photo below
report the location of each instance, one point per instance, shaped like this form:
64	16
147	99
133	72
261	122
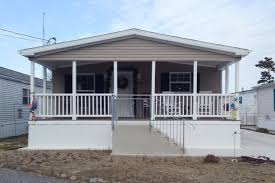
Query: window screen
180	81
85	83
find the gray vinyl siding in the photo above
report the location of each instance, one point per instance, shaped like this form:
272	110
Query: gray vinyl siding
210	78
136	49
265	102
10	101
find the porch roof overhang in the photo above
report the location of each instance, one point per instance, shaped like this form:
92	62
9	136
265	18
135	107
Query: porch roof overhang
233	53
65	64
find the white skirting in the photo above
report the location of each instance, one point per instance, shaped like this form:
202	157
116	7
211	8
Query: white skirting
68	134
199	137
265	123
212	134
202	137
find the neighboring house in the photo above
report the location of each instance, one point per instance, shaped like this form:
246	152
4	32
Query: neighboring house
248	107
134	76
14	102
265	105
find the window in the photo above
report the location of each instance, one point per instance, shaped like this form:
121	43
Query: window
26	97
19	113
180	81
85	83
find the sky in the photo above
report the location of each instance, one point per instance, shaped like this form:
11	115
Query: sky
247	24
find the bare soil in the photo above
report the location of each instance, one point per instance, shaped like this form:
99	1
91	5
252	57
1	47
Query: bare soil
102	167
13	143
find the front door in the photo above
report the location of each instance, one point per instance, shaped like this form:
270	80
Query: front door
125	102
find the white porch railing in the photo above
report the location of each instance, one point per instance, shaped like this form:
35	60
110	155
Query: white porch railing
171	105
61	105
93	105
214	105
181	105
54	105
165	105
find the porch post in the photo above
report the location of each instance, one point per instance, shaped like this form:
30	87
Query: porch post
195	68
237	77
32	90
153	85
114	111
237	88
115	78
74	89
44	87
44	79
226	79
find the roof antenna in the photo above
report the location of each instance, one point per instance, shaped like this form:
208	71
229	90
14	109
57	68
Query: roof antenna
44	41
43	36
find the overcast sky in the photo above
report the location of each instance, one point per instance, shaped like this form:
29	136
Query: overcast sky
243	23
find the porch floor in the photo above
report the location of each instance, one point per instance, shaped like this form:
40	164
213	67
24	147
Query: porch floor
137	139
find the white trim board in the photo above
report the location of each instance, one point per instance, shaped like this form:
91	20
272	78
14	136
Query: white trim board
135	33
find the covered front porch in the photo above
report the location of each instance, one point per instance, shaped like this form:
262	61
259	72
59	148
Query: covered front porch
141	90
174	106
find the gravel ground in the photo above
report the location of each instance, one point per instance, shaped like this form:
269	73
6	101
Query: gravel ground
100	166
15	176
84	166
13	143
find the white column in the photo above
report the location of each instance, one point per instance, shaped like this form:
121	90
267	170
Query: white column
74	88
153	85
237	88
32	90
237	77
226	79
44	79
195	82
115	78
44	88
114	111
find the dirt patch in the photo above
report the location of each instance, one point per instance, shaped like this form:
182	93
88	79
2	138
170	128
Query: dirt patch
13	143
100	166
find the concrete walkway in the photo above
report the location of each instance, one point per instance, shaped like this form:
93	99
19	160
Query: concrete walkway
134	139
257	144
14	176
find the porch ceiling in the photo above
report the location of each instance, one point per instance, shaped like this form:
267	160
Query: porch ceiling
63	64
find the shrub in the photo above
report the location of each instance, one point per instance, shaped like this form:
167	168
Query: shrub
210	158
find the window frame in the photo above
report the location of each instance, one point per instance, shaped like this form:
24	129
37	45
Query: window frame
180	82
94	85
28	96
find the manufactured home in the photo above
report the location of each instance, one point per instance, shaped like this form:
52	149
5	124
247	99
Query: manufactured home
248	108
259	104
106	83
15	100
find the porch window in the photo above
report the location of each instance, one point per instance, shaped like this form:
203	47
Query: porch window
26	97
85	83
180	81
